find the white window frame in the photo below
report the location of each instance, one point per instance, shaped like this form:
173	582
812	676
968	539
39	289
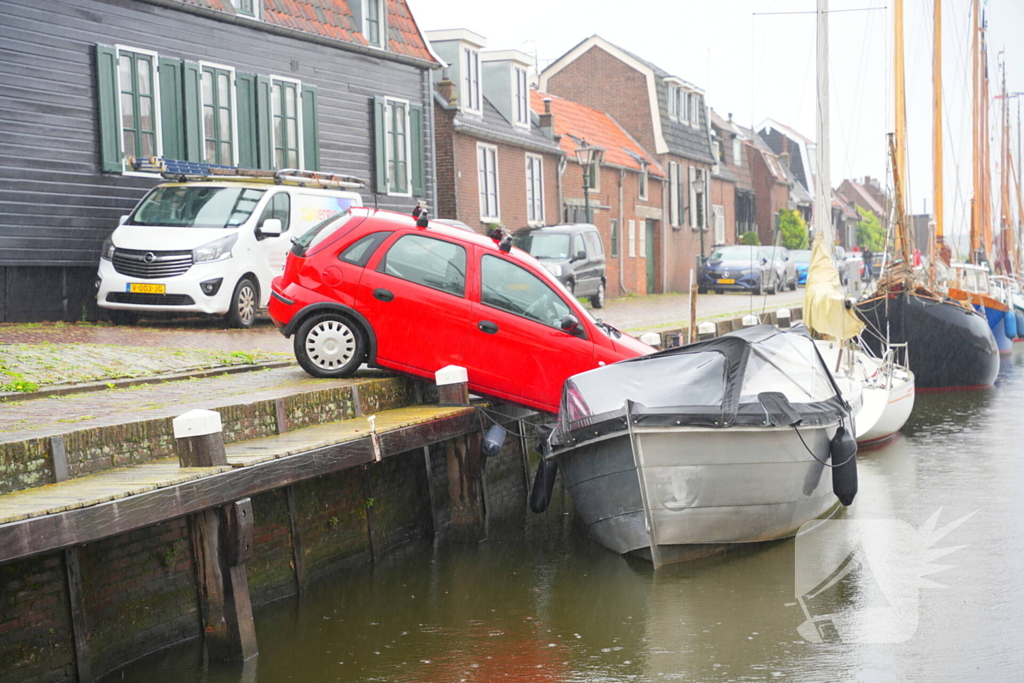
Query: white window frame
534	189
684	107
382	15
257	9
594	176
673	194
482	152
643	239
520	97
118	49
737	156
694	117
718	213
472	99
389	102
673	102
298	113
632	238
234	110
644	183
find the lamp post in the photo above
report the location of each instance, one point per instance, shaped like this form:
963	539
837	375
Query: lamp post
588	156
698	188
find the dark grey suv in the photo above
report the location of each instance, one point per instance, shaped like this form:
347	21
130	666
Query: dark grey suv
572	253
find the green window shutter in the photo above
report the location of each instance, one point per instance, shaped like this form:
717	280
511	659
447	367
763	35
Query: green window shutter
380	144
193	112
310	129
107	95
264	151
171	108
416	147
245	95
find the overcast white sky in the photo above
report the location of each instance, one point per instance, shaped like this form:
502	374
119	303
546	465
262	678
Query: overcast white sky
759	65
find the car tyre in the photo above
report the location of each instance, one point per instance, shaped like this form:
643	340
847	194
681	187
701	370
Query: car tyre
571	286
597	301
121	318
757	288
244	300
775	286
329	346
702	290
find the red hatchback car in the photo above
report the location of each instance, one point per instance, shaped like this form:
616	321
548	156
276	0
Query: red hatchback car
415	296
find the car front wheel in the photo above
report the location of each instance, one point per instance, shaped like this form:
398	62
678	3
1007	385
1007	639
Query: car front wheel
242	313
329	346
597	301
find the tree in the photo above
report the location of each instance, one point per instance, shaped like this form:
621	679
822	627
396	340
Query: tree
793	228
750	238
870	233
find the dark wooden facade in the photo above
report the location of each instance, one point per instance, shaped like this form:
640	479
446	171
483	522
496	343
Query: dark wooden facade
57	204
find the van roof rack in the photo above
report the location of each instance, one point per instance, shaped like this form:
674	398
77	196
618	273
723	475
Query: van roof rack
182	171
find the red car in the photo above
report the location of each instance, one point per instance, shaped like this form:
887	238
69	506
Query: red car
415	296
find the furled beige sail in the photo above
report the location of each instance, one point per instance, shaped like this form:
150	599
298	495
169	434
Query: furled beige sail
825	309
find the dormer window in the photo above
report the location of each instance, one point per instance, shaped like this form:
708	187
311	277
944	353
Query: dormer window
249	8
471	79
373	22
684	107
737	147
694	109
521	97
673	102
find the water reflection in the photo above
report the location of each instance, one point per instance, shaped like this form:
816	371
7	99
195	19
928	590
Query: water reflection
539	601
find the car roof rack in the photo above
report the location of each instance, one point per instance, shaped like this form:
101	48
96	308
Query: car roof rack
183	171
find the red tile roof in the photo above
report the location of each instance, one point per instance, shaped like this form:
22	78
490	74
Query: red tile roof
334	19
597	128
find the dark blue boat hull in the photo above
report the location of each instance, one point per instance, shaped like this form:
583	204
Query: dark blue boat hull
949	346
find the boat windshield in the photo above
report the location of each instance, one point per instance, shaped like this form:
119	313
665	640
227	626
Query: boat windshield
788	364
196	206
693	379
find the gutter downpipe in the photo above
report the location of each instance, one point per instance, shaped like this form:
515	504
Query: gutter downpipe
622	252
561	200
429	104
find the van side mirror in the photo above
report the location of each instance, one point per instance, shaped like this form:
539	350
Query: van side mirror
123	220
580	256
571	324
271	227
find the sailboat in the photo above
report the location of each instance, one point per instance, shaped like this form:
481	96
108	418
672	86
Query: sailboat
949	344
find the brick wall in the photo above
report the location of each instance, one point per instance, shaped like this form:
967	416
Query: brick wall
333	523
399	500
447	201
271	570
36	642
25	464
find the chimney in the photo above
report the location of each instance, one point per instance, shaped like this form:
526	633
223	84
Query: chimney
547	119
784	159
446	89
730	117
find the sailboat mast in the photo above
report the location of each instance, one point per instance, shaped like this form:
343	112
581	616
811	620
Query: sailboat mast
900	99
823	187
986	153
1006	240
976	133
937	123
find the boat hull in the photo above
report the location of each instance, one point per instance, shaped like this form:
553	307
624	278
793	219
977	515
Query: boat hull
949	346
997	323
697	488
900	403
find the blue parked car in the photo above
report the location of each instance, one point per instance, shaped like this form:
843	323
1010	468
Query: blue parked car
737	268
803	260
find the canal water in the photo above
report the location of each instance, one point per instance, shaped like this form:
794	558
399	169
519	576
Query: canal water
539	601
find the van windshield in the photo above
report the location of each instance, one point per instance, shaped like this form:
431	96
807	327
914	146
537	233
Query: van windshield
545	246
196	206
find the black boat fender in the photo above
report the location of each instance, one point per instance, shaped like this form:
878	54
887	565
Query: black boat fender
543	485
843	450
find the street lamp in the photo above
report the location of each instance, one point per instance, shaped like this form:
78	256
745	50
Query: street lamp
588	157
698	188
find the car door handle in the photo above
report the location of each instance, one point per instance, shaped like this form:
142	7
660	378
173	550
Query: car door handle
383	294
487	326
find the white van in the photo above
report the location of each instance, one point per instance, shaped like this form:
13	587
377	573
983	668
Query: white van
213	245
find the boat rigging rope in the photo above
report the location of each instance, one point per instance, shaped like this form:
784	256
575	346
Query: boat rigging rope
807	448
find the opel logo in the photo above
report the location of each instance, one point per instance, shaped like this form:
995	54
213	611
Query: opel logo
725	274
149	257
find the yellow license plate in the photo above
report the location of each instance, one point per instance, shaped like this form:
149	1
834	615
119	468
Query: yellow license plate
730	281
146	288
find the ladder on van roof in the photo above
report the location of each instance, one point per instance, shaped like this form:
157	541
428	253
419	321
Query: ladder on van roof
183	171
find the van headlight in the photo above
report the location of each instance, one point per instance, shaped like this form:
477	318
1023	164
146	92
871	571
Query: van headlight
107	250
215	250
554	269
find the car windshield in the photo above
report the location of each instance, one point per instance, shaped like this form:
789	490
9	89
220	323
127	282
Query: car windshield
196	206
736	253
801	255
545	245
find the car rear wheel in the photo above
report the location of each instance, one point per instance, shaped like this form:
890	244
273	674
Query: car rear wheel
775	286
329	346
757	288
242	313
597	301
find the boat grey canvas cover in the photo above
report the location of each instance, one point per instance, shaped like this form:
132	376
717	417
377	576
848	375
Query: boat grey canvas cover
757	376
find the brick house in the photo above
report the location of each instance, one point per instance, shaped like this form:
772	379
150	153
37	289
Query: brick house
495	165
625	190
772	186
667	116
733	201
859	195
342	85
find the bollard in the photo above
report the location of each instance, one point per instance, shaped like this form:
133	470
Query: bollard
783	317
199	440
651	339
750	320
452	386
707	330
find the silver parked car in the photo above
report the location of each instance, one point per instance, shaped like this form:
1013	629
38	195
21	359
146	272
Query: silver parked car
784	267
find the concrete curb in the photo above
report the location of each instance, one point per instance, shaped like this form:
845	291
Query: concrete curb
11	396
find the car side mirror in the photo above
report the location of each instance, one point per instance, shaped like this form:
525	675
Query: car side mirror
580	256
571	324
123	220
271	227
764	261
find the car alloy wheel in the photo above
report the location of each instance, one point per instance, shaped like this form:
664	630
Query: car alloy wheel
329	345
243	305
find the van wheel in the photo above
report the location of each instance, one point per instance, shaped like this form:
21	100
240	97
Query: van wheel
242	312
571	286
329	346
123	317
597	301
